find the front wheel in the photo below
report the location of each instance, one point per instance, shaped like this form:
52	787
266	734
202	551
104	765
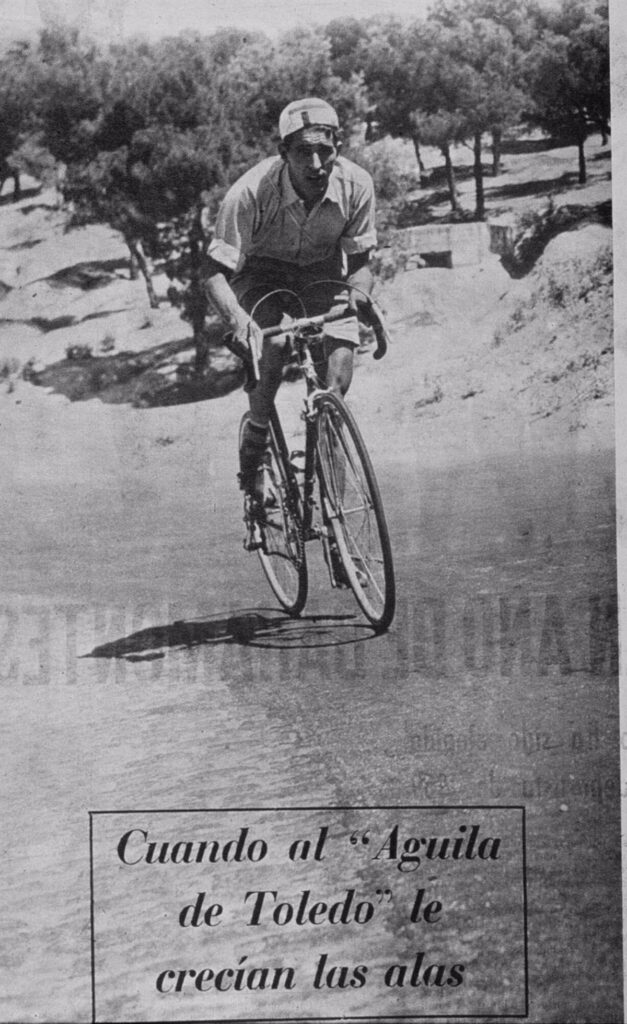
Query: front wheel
278	525
353	508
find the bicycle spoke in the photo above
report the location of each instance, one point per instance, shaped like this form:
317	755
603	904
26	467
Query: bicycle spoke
354	511
281	550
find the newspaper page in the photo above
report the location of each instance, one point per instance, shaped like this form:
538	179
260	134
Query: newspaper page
345	747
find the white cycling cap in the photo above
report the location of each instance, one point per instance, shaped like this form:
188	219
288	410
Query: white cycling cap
305	113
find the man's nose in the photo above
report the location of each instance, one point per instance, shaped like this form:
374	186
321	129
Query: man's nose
315	162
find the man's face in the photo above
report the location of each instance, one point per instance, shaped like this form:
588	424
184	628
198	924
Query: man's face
310	155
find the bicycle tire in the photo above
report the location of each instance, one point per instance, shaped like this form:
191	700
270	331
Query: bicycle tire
353	507
282	549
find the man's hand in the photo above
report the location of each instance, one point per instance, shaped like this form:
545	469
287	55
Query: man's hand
248	341
249	335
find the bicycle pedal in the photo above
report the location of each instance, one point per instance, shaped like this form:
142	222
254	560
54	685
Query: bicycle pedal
337	575
253	539
297	459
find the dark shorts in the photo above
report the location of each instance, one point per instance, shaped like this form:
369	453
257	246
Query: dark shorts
269	289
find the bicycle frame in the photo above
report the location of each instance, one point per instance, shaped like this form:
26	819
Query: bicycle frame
337	501
300	343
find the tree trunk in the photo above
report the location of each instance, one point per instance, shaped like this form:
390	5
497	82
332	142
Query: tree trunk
497	137
139	259
416	141
10	173
450	178
582	160
478	173
197	299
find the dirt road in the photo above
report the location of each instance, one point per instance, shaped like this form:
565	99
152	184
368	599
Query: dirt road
128	688
124	579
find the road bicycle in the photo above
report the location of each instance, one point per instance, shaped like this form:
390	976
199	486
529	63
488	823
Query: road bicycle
328	492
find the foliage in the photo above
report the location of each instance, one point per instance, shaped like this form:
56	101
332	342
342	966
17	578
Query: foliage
154	132
382	163
264	76
569	75
392	58
32	157
567	284
16	97
68	78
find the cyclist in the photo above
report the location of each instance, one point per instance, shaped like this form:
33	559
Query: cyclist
294	221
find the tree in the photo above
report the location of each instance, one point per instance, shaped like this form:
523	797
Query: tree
68	80
264	76
442	130
441	86
157	178
392	59
568	75
481	52
348	38
15	107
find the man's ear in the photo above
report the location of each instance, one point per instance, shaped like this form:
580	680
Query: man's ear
338	138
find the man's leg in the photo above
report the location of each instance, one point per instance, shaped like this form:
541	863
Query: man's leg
340	360
255	433
261	398
341	337
254	436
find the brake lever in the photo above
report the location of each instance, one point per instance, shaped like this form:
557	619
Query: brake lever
250	379
380	331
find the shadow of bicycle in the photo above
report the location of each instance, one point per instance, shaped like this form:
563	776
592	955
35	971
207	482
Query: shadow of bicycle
250	627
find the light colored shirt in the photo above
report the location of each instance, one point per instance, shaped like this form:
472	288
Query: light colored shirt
262	215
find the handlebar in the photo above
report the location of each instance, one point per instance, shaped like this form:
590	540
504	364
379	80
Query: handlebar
304	321
373	318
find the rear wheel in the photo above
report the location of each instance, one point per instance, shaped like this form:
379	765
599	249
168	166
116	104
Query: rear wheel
353	508
278	525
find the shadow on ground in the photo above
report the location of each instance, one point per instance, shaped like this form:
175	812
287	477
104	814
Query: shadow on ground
159	376
251	627
522	189
25	193
88	274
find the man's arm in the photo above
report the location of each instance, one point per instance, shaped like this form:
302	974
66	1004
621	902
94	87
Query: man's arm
216	279
231	237
360	237
359	276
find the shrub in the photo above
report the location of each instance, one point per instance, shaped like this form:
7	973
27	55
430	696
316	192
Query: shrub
569	281
77	352
8	368
381	160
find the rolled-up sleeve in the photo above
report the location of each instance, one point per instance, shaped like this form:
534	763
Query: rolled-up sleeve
360	232
234	227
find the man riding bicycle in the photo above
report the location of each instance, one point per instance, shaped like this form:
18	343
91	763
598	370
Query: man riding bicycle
300	221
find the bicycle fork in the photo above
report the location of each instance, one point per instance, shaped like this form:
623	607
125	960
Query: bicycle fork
321	530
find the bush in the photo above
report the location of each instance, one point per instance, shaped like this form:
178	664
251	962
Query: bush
563	285
34	158
570	281
78	352
381	160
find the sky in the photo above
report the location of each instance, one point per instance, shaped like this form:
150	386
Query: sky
113	19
